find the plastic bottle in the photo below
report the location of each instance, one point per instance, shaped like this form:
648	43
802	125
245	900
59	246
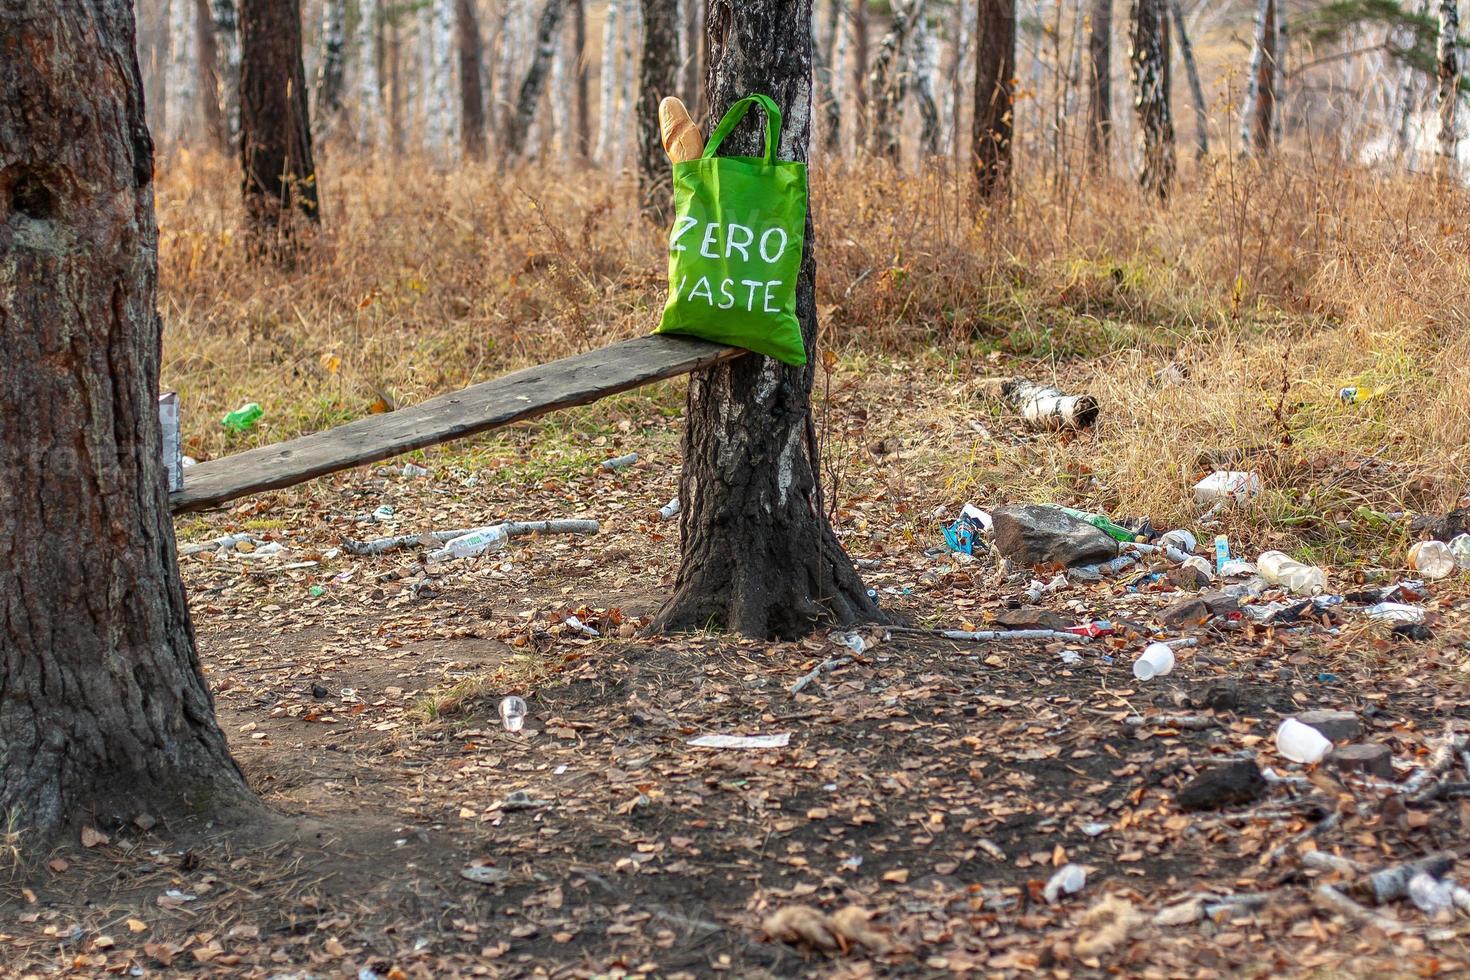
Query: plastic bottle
1156	660
513	713
1222	553
476	542
243	417
1460	548
1221	484
1285	571
1301	743
1432	559
669	510
1115	531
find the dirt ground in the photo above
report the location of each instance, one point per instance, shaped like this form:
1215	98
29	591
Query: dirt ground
935	784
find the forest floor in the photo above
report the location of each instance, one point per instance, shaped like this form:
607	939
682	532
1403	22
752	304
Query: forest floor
936	785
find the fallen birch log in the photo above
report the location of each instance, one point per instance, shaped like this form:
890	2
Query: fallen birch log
1041	406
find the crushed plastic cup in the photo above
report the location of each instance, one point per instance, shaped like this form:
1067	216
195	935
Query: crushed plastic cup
1221	485
1069	879
1395	612
1199	564
243	417
1301	743
1460	548
1283	570
513	712
1156	660
1180	539
1432	559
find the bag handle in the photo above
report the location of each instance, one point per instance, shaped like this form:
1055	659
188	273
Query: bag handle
736	113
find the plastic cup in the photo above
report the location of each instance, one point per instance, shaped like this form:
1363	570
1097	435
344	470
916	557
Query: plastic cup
1156	661
513	713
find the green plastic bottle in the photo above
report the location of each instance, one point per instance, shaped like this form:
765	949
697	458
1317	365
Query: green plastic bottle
243	417
1115	531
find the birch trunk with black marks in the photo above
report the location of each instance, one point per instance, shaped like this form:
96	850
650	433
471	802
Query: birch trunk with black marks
580	81
887	85
607	83
227	63
1278	73
1449	84
209	94
1196	90
838	71
560	97
331	63
1100	87
183	74
279	176
471	81
1149	61
370	119
1258	84
757	555
104	713
658	77
994	119
921	68
441	115
828	71
519	123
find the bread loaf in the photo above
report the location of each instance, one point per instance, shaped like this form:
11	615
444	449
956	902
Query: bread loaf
681	137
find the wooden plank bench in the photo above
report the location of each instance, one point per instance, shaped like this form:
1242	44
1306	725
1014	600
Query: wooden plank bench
479	408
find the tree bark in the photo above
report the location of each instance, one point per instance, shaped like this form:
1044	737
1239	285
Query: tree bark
995	70
580	82
859	22
1278	74
471	82
887	85
369	93
209	89
757	554
519	122
441	116
394	58
1196	90
693	11
279	177
227	63
1449	84
183	73
921	68
827	71
607	83
1149	60
1255	110
333	58
104	713
1100	91
658	77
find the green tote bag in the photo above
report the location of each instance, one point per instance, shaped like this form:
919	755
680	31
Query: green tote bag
735	248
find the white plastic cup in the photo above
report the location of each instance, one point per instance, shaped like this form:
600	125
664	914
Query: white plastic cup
1156	660
1180	539
1432	559
1301	743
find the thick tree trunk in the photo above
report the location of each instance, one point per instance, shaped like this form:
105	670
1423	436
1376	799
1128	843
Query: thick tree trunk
1255	134
369	93
1196	90
1449	84
471	85
658	77
104	713
757	554
995	70
227	63
1149	60
1100	87
279	182
519	122
330	67
607	83
579	75
209	95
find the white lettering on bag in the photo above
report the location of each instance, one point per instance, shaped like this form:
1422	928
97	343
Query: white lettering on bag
754	284
766	237
766	305
703	283
729	297
710	233
731	245
680	227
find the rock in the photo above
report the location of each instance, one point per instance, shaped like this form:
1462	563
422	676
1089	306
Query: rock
1030	535
1189	612
1221	696
1339	726
1031	618
1187	577
1413	632
1368	757
318	691
1220	603
1228	785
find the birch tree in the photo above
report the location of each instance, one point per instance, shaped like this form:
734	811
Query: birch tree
561	96
921	68
371	124
607	82
1100	87
227	62
331	62
757	555
1196	90
519	123
1149	61
183	73
693	47
206	60
579	68
827	72
1448	59
103	706
887	85
632	28
994	119
1278	72
1255	110
441	120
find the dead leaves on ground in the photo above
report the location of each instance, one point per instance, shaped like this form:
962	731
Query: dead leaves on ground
841	931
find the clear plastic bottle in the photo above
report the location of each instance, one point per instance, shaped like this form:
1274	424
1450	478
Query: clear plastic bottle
1283	570
476	542
1460	548
1432	559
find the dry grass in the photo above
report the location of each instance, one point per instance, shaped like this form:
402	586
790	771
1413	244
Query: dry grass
1274	288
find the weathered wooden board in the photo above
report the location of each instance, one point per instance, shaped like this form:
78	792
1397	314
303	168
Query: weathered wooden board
489	405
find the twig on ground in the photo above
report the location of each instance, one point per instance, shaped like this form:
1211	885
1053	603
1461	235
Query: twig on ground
816	671
1322	861
1320	827
1390	884
1333	900
1193	723
982	636
1423	784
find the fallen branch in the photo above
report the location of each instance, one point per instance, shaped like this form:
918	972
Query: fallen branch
1391	884
428	538
1322	861
1041	406
1335	901
1423	784
816	671
1192	723
985	636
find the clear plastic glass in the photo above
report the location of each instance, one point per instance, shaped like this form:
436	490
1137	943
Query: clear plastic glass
1283	570
513	712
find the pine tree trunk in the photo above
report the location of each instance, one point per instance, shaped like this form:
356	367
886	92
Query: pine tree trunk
279	182
104	713
1100	87
1449	84
658	77
471	87
369	93
209	90
757	555
183	73
330	68
1196	90
607	83
1149	61
579	73
995	70
519	123
693	11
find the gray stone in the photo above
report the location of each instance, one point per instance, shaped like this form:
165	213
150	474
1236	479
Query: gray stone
1368	757
1031	618
1340	726
1030	535
1187	612
1230	784
1221	696
1187	577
